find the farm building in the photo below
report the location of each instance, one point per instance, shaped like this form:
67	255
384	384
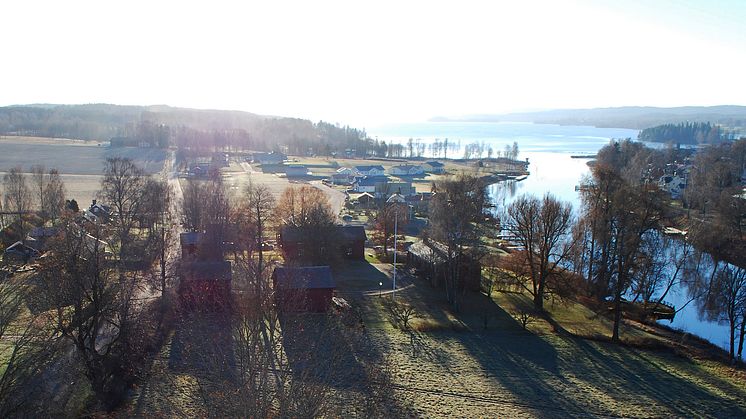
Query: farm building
430	259
269	158
434	167
205	284
296	170
406	170
349	242
309	288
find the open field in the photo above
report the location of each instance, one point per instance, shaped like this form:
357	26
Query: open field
72	156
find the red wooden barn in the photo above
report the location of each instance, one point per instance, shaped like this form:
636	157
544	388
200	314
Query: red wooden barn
308	288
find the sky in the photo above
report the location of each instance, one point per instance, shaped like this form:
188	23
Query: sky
368	62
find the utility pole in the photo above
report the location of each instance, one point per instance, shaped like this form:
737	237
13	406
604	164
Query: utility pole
396	222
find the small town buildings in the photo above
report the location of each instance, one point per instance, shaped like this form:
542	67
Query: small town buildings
346	171
308	288
374	170
406	170
296	170
420	202
430	260
19	253
365	200
98	213
673	185
269	158
384	190
347	241
341	179
39	237
434	167
368	184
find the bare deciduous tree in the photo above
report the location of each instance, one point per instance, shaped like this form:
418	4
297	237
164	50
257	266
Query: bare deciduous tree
17	193
542	227
122	188
54	195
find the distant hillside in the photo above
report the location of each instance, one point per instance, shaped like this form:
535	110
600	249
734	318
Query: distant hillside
632	117
191	128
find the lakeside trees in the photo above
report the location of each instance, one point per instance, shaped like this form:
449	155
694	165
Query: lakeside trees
542	227
458	213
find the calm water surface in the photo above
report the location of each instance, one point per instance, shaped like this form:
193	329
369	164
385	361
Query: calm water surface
548	149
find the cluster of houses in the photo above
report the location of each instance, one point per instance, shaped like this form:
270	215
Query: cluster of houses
38	240
207	166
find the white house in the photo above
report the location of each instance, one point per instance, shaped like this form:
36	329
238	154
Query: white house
375	170
368	184
434	167
346	171
674	185
407	170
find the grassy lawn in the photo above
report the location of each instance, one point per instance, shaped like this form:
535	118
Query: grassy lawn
449	364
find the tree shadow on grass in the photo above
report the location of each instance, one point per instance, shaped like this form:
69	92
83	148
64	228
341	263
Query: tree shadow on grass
319	349
203	345
567	376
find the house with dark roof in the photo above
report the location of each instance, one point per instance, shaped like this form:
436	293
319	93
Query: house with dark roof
368	183
308	288
19	253
385	190
296	170
269	158
346	240
434	167
431	262
371	170
39	237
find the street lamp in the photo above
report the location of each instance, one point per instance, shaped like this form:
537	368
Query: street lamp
380	288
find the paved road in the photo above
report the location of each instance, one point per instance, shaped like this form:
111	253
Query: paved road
336	198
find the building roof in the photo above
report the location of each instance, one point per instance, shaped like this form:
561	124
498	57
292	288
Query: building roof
344	233
191	238
371	180
214	271
396	198
369	168
406	167
42	232
307	277
434	163
429	250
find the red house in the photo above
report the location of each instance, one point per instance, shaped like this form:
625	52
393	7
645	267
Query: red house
307	288
348	241
205	284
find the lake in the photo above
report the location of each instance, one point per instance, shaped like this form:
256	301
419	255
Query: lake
548	149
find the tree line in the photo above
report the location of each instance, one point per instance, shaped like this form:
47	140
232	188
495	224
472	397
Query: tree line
686	133
611	249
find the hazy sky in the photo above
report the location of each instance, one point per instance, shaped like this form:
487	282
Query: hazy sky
377	61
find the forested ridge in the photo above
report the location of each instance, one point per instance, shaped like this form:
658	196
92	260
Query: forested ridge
686	133
190	128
